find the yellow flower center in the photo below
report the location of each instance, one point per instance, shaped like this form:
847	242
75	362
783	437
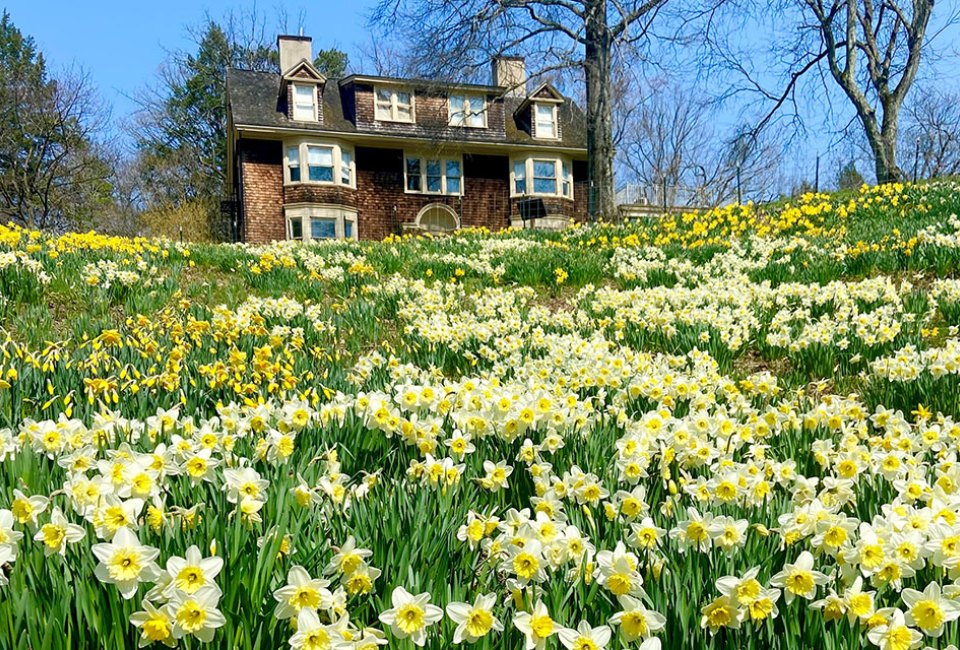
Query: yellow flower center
190	616
928	614
479	622
410	618
305	597
53	535
525	565
124	565
800	582
634	624
190	579
542	626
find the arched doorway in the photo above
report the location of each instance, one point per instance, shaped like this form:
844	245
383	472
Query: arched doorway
438	218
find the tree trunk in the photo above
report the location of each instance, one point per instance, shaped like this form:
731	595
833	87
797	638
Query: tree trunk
600	203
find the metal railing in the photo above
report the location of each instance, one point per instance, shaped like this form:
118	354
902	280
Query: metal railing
660	195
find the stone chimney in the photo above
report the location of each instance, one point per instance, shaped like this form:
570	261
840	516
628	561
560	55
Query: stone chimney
293	49
510	72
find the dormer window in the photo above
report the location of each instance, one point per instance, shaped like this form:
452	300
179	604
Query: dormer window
468	110
546	121
393	105
305	102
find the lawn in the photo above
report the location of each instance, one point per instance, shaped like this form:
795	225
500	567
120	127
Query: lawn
730	429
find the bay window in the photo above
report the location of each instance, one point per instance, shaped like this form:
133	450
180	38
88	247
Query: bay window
293	164
546	121
314	222
393	105
468	110
329	163
426	175
541	175
544	176
305	103
320	164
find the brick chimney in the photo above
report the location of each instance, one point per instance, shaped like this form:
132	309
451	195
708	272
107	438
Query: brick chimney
510	72
293	49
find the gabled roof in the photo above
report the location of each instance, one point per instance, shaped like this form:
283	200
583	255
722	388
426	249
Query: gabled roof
545	92
255	101
304	70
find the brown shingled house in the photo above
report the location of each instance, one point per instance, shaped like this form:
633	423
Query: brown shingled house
365	157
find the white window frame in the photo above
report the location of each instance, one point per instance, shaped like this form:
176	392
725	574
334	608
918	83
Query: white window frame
338	147
394	111
300	116
536	121
424	159
338	213
528	161
459	116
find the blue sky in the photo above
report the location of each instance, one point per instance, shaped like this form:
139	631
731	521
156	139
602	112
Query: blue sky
122	44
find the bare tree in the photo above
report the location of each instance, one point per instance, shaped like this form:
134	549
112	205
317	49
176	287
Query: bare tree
870	50
458	37
52	171
670	144
933	125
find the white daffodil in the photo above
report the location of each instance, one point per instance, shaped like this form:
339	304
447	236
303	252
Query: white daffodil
799	578
929	610
155	624
301	591
410	615
312	634
585	637
636	621
894	634
125	562
191	573
537	626
196	614
474	621
56	534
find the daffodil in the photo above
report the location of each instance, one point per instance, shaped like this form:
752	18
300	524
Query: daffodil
57	533
196	614
191	573
585	637
635	620
301	592
474	621
536	625
125	562
929	610
410	615
799	578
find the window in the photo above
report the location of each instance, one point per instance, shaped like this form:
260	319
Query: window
438	218
320	164
296	228
305	103
331	164
393	105
520	177
542	175
293	163
413	174
468	110
433	175
546	121
308	223
346	168
323	228
453	177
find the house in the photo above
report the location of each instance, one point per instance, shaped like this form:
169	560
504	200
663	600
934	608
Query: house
365	156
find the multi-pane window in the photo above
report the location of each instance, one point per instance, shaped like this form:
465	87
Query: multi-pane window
304	103
468	110
546	121
542	175
520	177
321	222
320	164
433	175
293	164
323	228
393	105
325	163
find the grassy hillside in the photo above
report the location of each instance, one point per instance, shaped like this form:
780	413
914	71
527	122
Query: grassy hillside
610	421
